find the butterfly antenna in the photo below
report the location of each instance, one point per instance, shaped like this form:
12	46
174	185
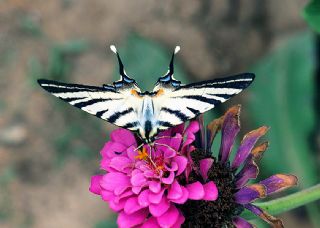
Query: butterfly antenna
171	65
168	77
124	78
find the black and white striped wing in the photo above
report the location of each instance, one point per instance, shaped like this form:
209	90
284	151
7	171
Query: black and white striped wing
116	107
186	102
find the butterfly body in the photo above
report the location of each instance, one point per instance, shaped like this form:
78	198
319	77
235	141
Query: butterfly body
147	113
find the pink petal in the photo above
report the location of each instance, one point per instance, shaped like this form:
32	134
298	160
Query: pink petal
95	184
169	179
143	198
107	195
113	149
132	152
182	164
120	163
123	195
104	164
155	197
160	208
190	131
149	174
137	189
132	205
205	165
117	205
124	220
210	191
151	223
179	222
177	129
116	182
155	186
173	166
138	179
175	191
195	190
183	198
169	218
169	153
123	136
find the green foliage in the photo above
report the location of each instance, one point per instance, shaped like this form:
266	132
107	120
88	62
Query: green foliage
311	14
106	224
34	71
29	25
283	99
59	65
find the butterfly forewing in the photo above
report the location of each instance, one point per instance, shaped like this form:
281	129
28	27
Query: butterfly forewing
117	107
186	102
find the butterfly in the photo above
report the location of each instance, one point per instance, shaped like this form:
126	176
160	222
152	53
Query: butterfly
147	113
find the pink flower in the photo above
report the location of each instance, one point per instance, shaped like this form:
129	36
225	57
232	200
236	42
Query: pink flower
147	186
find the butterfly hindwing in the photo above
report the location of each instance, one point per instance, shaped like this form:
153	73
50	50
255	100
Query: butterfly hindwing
116	106
187	101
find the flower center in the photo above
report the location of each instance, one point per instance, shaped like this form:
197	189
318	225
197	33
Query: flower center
156	165
217	213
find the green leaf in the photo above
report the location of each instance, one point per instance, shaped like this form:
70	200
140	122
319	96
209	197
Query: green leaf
283	99
146	60
311	14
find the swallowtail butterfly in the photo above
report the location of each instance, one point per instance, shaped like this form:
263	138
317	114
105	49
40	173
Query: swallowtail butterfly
147	113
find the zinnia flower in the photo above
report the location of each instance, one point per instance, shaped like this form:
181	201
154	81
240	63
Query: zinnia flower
146	186
231	176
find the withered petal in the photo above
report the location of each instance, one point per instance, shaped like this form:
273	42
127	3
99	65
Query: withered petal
258	151
248	172
230	129
273	221
247	144
279	182
241	223
250	193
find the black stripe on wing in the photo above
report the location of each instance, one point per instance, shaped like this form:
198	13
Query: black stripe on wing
115	116
165	124
90	102
240	81
201	98
60	87
180	115
194	111
131	125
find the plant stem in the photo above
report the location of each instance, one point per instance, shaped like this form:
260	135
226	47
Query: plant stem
289	202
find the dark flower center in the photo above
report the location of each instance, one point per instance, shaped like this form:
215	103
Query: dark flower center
219	213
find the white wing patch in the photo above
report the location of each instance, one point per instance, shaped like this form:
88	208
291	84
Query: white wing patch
178	105
112	106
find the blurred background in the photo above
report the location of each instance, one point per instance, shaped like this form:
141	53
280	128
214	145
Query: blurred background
49	150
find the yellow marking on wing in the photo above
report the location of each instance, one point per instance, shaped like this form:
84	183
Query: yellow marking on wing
135	93
159	92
